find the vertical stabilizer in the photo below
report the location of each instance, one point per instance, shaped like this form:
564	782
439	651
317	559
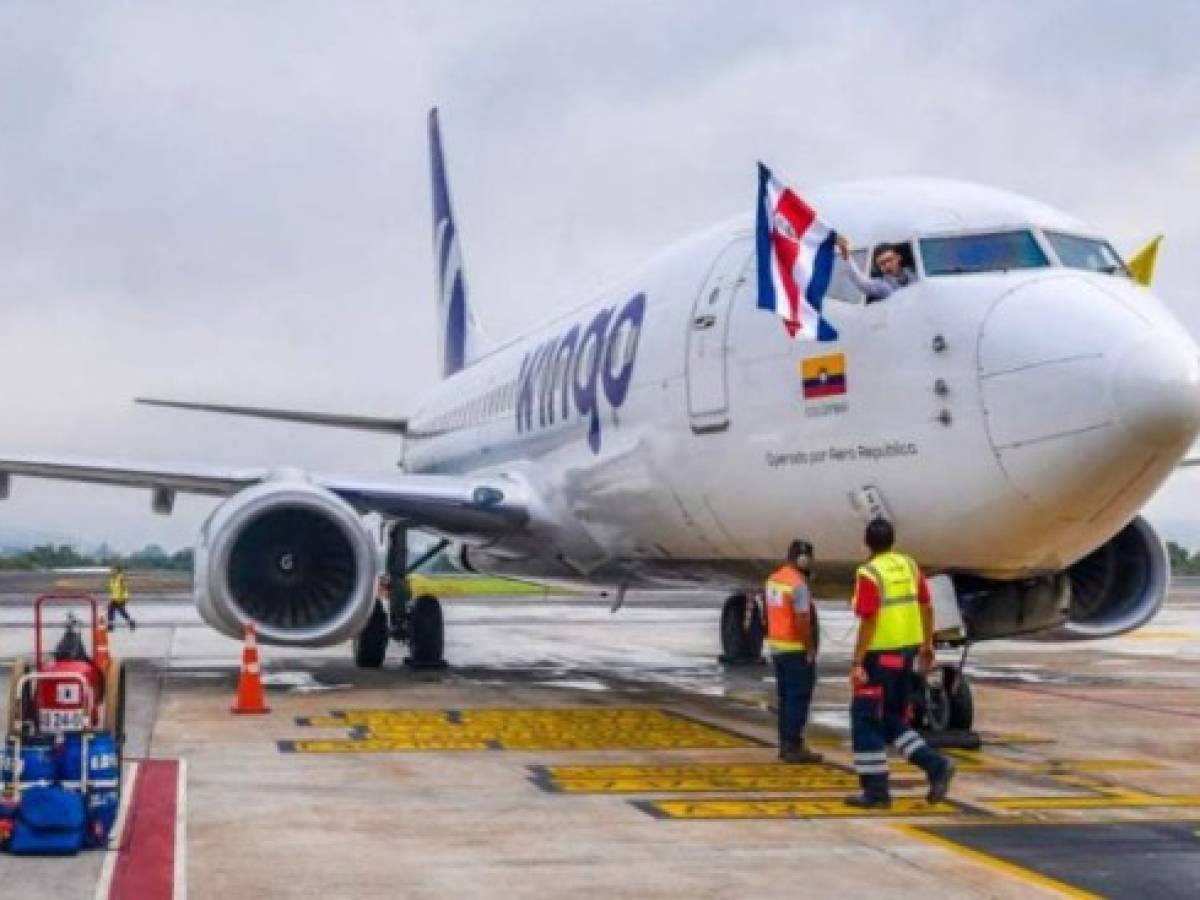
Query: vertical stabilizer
459	338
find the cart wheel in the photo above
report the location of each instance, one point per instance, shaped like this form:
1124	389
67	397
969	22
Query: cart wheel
114	701
12	718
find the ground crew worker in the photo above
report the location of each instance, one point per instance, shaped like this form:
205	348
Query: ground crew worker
892	602
118	596
791	638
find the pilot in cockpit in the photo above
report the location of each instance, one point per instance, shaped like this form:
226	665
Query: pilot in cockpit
888	262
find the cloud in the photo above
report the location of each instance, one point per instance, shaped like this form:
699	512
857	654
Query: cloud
230	201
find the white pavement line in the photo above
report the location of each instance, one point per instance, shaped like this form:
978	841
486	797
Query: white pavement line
180	888
104	885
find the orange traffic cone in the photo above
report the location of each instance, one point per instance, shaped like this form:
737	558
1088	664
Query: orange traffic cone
251	698
100	654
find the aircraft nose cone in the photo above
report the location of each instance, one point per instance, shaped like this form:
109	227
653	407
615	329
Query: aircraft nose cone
1090	394
1156	391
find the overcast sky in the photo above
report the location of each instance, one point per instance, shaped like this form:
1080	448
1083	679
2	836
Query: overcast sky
229	200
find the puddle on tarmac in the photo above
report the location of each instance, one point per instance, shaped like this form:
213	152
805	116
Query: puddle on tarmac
300	682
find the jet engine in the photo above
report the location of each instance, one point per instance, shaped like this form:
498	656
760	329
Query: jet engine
1120	585
292	558
1116	588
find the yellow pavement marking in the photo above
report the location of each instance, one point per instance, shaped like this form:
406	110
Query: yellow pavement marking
1162	634
797	808
1098	765
414	717
974	761
522	729
695	778
773	777
995	863
1016	737
384	746
1108	798
703	785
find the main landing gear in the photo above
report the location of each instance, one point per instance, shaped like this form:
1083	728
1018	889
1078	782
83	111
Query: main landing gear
416	622
742	631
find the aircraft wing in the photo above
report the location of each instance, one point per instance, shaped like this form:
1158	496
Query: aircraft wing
457	504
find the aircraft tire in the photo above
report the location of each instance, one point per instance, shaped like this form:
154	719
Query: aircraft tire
370	647
961	699
426	633
741	640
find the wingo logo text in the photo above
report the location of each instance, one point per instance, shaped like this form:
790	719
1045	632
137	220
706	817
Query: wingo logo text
573	371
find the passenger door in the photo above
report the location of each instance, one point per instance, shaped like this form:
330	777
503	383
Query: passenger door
708	330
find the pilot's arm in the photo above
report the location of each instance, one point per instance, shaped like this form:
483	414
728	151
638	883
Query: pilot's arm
874	288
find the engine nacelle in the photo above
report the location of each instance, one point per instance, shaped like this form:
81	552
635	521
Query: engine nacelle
292	558
1119	586
1116	588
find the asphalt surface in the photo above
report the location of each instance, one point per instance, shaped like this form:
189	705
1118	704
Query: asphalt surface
561	793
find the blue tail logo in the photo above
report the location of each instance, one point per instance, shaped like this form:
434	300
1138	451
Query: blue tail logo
455	323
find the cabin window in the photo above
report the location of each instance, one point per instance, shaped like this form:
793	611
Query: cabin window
1091	254
968	254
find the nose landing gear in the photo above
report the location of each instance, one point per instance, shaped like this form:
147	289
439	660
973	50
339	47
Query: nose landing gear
944	707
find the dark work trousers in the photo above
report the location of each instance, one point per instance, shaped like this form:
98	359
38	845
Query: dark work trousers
880	715
794	677
114	609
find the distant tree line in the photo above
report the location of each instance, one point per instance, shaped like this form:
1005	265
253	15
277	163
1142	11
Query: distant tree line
64	556
1182	561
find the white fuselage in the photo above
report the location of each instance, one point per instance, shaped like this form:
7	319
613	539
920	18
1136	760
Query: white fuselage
1009	422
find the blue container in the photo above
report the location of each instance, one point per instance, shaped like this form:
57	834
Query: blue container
6	765
37	767
70	759
104	786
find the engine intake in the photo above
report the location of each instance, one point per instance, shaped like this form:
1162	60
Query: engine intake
1116	588
290	557
1120	585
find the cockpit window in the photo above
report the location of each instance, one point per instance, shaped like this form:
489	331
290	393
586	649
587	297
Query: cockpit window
1086	253
997	252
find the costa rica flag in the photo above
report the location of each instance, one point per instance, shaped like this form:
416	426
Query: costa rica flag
795	259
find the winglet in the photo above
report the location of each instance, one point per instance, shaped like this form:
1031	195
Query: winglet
1142	263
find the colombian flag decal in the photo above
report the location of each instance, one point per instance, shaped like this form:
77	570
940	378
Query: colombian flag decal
824	376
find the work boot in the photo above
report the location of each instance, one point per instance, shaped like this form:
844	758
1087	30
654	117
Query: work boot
866	801
799	754
939	784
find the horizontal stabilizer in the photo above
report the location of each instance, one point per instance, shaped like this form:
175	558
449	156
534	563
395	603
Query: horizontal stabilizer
302	417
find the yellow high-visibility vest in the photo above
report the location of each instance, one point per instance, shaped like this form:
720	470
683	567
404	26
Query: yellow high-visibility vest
118	590
898	624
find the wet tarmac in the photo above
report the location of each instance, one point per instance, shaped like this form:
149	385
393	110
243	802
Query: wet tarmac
571	752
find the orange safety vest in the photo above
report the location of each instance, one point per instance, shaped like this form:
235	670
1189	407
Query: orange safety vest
784	634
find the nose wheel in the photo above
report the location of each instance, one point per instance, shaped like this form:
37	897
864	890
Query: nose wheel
944	707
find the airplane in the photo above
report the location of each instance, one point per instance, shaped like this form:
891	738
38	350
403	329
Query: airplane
1011	410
